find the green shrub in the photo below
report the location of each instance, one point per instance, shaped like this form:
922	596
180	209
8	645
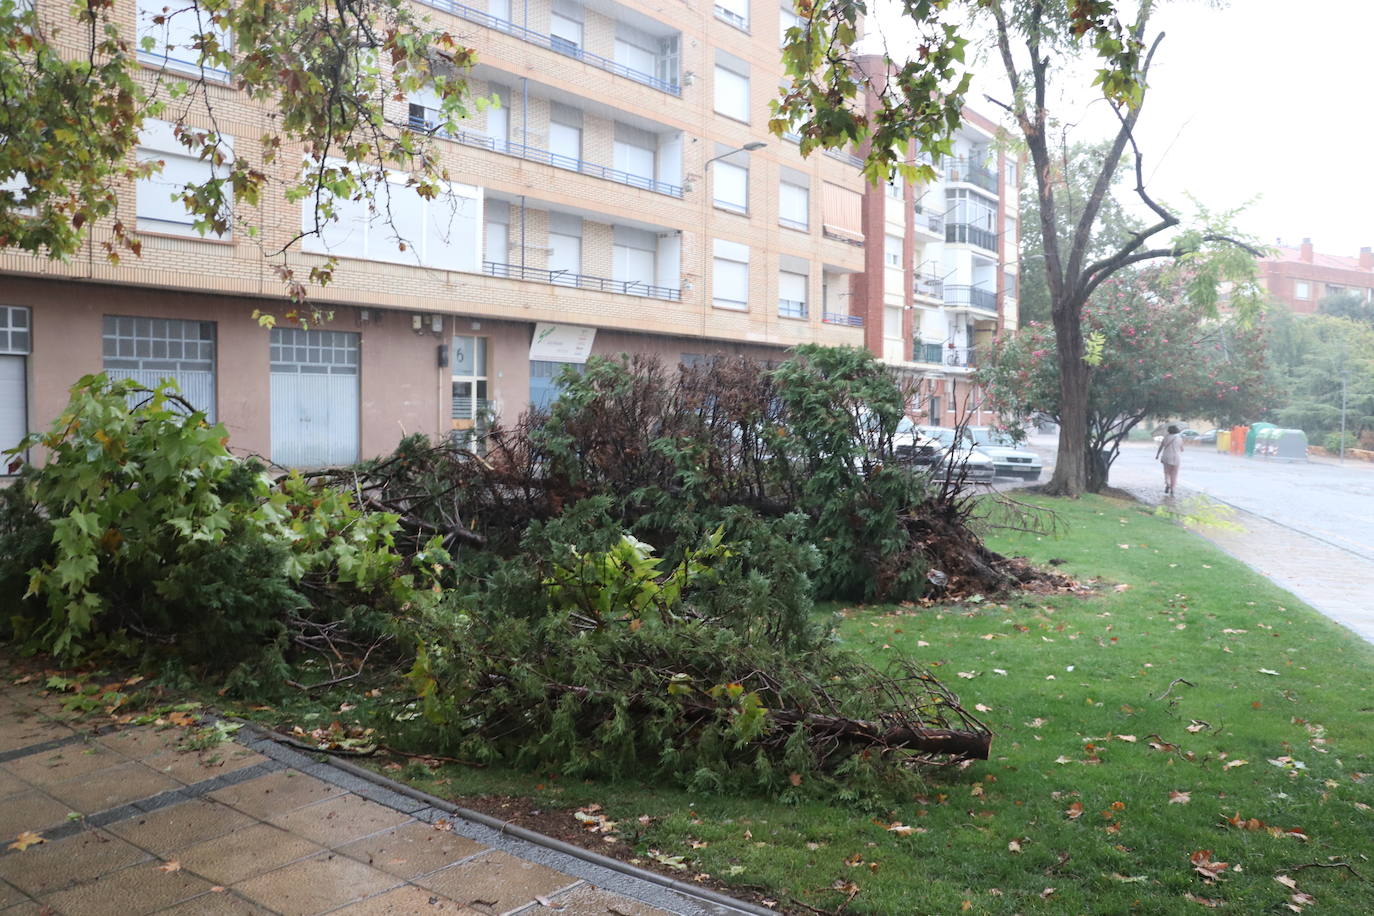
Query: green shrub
1334	441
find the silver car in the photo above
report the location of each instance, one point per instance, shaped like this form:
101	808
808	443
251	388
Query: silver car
1001	448
977	466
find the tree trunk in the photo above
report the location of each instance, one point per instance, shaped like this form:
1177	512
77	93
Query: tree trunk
1071	465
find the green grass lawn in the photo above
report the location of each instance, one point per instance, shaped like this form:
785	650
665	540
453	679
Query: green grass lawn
1099	791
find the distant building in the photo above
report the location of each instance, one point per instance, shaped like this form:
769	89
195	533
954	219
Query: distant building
1300	278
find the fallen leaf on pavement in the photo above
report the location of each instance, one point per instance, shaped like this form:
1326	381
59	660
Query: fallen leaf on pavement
25	840
170	866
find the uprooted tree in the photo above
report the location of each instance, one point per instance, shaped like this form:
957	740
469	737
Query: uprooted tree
919	100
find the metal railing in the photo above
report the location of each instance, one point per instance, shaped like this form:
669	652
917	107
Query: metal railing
851	321
925	285
733	18
927	353
972	296
972	173
553	43
972	235
961	357
930	221
580	281
791	308
847	158
557	160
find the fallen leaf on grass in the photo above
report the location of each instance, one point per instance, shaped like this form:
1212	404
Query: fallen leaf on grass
1204	866
25	840
1214	904
1135	879
1286	882
1014	846
1129	739
1180	798
1232	764
903	830
1300	900
1001	671
1074	811
967	675
981	708
1047	893
1197	726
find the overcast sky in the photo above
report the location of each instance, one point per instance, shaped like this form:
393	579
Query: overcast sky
1264	99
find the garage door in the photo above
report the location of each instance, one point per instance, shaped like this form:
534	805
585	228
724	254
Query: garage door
14	350
314	397
149	350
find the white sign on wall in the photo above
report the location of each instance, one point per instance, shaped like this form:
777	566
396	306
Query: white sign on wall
561	343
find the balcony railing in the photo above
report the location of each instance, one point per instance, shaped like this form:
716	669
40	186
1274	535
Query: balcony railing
971	296
580	281
934	287
930	221
851	321
928	353
973	173
971	235
557	160
961	357
553	43
846	158
733	18
791	308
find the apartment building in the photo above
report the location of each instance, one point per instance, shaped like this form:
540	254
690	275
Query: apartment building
623	196
1301	277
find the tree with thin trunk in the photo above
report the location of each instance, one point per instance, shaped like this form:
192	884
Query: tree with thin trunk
919	100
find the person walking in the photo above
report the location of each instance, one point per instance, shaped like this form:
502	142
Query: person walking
1169	453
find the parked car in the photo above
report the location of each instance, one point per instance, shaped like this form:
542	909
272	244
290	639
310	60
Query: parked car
912	446
977	466
1208	438
1009	460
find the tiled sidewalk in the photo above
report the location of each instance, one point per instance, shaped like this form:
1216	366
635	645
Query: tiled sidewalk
131	825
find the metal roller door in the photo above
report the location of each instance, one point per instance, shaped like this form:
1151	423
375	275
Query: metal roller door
149	350
14	350
314	397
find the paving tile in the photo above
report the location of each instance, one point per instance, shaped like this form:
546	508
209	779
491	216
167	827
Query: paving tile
216	903
275	793
590	901
131	892
196	766
412	849
52	866
48	767
145	741
27	909
496	882
31	810
244	853
178	827
108	788
316	885
17	732
339	820
10	784
406	901
9	894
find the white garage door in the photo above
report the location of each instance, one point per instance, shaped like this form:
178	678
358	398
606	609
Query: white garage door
149	350
14	350
314	397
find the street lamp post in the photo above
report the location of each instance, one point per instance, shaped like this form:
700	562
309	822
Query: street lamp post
746	148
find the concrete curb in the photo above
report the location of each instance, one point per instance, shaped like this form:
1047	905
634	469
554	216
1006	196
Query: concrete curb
257	736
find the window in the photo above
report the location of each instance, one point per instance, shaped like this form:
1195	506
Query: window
442	232
735	12
497	232
1301	289
892	250
159	196
794	206
635	151
545	386
148	350
468	365
499	9
1333	290
895	187
934	409
971	208
565	248
732	87
787	19
730	187
667	60
498	119
730	275
634	258
635	49
841	213
791	295
565	27
15	346
565	135
173	38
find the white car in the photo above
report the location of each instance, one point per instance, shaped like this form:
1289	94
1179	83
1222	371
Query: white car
977	466
1010	460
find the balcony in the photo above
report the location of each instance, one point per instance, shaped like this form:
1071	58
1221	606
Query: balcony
929	221
972	173
927	352
969	234
850	321
929	286
580	281
974	297
553	43
961	357
944	355
557	160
